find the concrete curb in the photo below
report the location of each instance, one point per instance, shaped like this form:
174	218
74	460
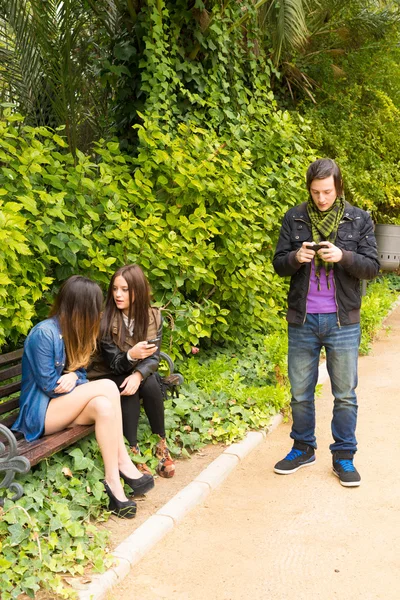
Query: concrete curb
135	546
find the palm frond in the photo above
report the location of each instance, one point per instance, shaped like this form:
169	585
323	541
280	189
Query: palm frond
373	23
287	22
283	20
44	49
110	11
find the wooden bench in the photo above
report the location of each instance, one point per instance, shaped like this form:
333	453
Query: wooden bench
16	454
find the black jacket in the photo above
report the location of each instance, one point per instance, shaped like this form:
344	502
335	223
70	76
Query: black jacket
113	359
356	239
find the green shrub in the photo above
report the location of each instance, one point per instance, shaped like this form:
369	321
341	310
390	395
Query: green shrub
199	213
375	306
393	281
360	129
50	532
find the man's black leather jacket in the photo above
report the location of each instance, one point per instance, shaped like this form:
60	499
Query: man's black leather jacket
356	239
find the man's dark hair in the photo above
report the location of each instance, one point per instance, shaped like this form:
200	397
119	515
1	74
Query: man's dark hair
323	168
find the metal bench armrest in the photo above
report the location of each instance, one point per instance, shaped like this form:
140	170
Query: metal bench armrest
11	463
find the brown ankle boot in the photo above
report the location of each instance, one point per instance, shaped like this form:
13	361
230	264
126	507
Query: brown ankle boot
142	467
166	466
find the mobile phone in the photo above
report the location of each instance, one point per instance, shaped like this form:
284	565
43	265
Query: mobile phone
153	341
316	247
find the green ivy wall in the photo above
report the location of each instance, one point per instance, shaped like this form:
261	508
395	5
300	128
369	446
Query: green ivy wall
198	212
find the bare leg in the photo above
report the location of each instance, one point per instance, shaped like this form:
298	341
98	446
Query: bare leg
96	402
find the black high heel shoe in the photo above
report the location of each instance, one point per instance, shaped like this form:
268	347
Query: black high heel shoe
125	509
139	486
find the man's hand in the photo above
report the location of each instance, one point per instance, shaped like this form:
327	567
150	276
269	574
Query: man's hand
66	383
330	253
130	384
304	254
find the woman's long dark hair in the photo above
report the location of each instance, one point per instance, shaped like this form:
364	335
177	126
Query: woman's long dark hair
139	291
78	310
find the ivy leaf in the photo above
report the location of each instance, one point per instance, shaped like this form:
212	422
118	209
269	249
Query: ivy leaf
18	534
75	529
69	256
4	565
81	462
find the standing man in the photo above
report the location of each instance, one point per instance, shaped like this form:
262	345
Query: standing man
324	311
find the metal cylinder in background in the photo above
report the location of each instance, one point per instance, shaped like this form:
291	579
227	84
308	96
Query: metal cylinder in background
388	241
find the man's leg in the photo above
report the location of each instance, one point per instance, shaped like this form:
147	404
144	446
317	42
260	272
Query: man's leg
342	360
303	358
342	345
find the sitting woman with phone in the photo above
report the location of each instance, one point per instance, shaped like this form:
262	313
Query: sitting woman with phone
131	333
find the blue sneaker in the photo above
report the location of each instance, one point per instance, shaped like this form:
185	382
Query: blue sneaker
344	468
301	455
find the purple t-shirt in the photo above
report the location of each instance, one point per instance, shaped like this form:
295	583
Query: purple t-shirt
322	300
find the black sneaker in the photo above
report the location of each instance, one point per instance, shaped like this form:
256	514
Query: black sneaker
344	469
301	455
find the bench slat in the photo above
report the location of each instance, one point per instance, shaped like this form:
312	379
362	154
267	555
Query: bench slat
10	372
8	389
48	445
9	420
6	407
6	359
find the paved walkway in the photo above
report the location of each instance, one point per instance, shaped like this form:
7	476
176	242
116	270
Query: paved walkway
301	536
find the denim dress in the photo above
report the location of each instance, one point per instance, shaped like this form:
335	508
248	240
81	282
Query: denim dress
43	363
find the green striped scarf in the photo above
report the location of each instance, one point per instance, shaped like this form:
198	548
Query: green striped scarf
324	226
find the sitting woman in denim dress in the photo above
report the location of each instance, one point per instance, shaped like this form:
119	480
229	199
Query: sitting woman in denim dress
131	333
55	393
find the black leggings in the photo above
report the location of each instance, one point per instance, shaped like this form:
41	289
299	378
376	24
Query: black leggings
153	404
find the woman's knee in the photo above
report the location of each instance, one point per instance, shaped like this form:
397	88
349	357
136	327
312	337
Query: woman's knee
109	389
102	407
151	387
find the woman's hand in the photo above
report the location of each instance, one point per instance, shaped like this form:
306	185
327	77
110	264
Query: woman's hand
130	384
142	350
66	383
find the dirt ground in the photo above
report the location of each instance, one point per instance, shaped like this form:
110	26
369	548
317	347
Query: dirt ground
267	536
164	489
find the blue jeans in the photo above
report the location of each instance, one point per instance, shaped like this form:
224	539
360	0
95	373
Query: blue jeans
341	345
